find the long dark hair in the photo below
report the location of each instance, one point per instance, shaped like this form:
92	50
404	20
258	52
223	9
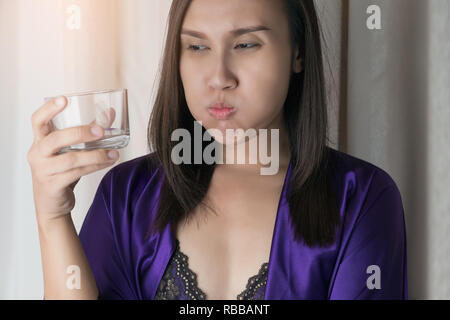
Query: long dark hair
312	200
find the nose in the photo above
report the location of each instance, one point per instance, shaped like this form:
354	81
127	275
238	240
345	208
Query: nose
222	77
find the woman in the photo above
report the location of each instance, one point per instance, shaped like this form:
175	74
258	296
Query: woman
325	226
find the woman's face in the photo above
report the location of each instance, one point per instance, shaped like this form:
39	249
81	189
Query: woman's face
249	71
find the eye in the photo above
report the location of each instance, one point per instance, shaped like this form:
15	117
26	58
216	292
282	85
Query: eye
249	45
197	48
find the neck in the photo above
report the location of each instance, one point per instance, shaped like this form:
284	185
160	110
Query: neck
247	158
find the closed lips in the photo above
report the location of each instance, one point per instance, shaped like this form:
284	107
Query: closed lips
221	112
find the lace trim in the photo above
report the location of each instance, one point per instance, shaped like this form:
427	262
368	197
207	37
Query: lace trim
169	289
254	284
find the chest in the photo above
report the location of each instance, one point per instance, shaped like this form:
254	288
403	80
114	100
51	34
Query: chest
226	249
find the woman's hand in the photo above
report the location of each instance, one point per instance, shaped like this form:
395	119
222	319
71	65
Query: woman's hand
55	176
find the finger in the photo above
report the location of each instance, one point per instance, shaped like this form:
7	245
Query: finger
73	184
106	118
71	160
41	118
111	116
69	177
59	139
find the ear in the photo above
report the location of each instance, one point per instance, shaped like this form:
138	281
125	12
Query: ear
297	63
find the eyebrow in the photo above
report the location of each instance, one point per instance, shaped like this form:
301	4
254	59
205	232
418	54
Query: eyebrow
235	33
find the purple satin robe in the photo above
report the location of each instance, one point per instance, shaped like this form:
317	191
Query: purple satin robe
369	249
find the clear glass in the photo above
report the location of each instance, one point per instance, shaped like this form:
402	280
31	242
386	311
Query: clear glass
108	108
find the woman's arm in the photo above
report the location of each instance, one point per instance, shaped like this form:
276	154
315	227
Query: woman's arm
67	274
374	262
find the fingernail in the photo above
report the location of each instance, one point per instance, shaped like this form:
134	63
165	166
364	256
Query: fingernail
60	102
96	130
113	154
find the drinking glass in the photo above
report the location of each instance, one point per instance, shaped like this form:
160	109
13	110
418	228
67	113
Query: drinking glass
107	108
